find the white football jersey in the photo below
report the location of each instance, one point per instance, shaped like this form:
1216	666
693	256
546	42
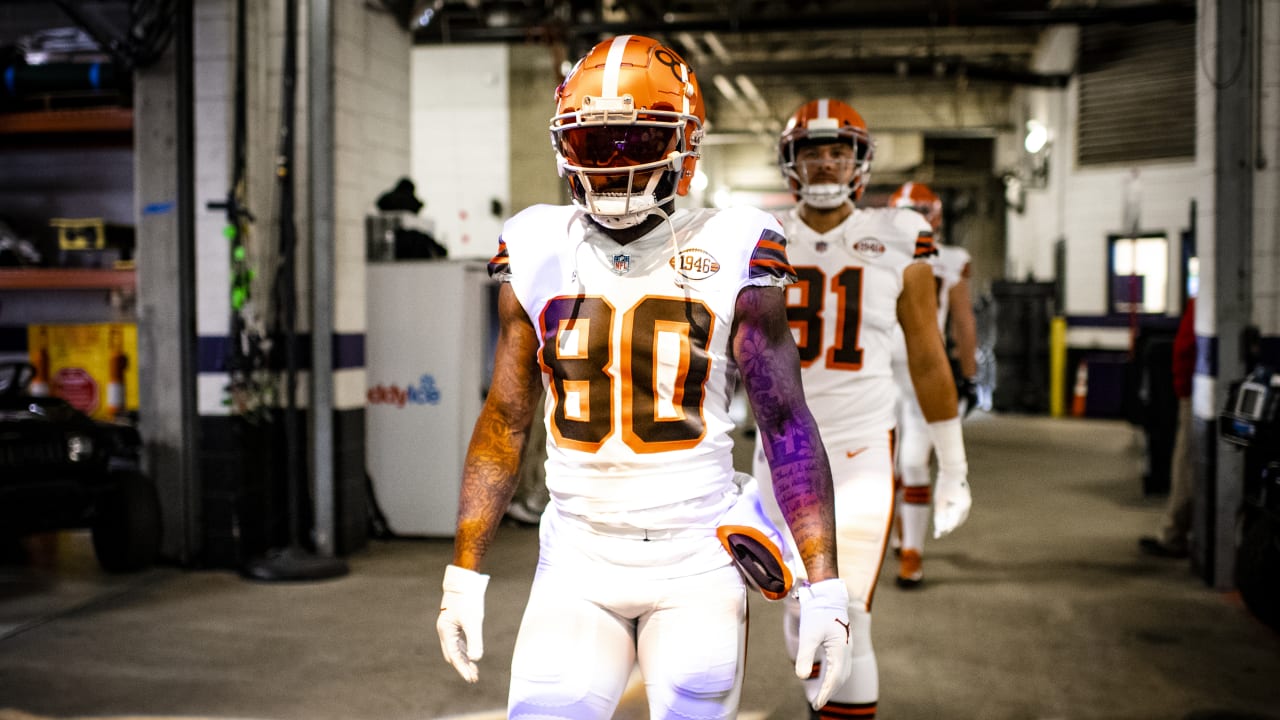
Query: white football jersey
844	309
950	266
635	353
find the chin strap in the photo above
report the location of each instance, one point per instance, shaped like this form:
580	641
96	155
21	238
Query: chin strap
622	222
825	196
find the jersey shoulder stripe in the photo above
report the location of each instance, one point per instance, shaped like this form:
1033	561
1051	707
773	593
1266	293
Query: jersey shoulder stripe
924	245
769	259
500	264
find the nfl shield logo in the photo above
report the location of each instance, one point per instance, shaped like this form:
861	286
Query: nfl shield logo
622	264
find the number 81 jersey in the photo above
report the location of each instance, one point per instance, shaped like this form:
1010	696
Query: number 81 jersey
635	353
843	311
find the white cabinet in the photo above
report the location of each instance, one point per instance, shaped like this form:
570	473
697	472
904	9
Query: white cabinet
428	359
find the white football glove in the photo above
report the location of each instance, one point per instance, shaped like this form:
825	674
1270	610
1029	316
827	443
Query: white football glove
461	617
951	502
824	622
951	498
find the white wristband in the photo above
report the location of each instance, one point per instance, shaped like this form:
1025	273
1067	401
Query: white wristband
948	443
461	580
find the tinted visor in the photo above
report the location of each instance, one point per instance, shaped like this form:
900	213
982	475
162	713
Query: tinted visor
616	145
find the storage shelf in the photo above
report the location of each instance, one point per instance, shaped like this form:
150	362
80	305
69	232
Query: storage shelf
87	120
66	279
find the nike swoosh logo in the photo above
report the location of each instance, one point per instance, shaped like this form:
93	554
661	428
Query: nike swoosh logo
854	453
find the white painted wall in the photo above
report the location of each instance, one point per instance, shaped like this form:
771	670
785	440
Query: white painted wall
371	153
1266	191
215	106
1083	205
461	149
214	34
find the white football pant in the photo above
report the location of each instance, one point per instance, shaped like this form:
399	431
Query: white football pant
589	622
914	450
862	471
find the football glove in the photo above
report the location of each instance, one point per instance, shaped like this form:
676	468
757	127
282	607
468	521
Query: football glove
951	498
951	502
461	617
967	392
824	623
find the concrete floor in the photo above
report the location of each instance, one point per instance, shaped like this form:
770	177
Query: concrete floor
1040	607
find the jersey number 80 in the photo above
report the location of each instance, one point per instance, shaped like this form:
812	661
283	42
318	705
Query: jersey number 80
662	368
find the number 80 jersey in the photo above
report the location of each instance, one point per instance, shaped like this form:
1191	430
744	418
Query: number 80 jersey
843	311
634	347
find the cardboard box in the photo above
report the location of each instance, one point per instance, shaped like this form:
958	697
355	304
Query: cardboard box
94	367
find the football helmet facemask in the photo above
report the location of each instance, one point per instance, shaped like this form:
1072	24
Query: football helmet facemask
920	198
629	119
819	122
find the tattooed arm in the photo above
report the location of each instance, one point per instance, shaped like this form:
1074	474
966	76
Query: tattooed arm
766	355
497	443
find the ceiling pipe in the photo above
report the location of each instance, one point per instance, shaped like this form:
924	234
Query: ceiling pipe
902	67
1178	10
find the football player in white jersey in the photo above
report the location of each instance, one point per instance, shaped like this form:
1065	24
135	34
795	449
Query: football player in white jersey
640	321
861	274
951	273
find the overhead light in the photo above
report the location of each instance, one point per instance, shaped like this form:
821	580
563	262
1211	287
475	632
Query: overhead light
717	48
691	46
425	18
1037	137
726	88
699	181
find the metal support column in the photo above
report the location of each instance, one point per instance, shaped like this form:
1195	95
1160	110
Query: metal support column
1233	250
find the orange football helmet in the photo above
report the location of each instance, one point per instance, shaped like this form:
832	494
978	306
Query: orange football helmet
920	198
825	121
629	119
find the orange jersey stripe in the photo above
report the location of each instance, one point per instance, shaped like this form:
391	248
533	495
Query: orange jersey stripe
925	246
772	264
848	710
917	495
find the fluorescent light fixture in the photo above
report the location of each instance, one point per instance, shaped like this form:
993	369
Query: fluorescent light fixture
726	88
1037	137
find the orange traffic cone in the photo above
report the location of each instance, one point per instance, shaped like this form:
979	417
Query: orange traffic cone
1080	393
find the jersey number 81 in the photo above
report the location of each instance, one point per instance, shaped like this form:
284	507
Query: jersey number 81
806	317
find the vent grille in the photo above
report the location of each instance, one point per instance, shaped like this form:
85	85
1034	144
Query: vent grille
1137	93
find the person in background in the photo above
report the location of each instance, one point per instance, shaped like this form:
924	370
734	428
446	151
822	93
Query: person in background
640	321
955	306
862	272
1173	540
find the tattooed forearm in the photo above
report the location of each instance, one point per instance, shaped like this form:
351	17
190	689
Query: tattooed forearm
498	440
488	482
770	367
